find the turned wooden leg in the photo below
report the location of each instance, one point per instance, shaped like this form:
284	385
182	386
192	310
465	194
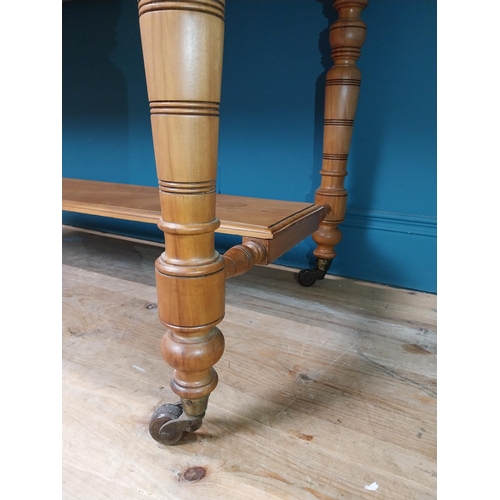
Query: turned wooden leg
347	36
182	45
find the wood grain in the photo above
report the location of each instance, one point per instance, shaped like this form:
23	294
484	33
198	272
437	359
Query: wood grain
322	390
182	45
240	215
347	36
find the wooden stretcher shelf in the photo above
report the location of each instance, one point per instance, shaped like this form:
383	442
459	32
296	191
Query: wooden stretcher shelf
286	222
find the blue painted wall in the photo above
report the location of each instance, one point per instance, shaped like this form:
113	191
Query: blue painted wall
275	61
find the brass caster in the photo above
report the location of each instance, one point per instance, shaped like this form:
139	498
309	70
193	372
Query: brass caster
168	423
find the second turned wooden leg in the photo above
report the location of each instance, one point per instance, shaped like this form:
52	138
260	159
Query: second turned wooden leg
182	46
347	36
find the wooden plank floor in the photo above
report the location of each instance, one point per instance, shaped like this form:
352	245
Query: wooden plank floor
323	391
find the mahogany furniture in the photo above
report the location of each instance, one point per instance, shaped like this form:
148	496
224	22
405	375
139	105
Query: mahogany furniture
182	43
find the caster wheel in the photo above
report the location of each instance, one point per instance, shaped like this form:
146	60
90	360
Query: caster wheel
306	277
168	424
162	415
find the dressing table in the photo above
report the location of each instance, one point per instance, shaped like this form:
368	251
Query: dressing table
182	43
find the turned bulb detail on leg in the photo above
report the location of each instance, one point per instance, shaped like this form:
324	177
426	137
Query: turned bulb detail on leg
192	357
190	305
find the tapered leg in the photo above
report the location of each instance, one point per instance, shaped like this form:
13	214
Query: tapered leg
182	45
347	36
